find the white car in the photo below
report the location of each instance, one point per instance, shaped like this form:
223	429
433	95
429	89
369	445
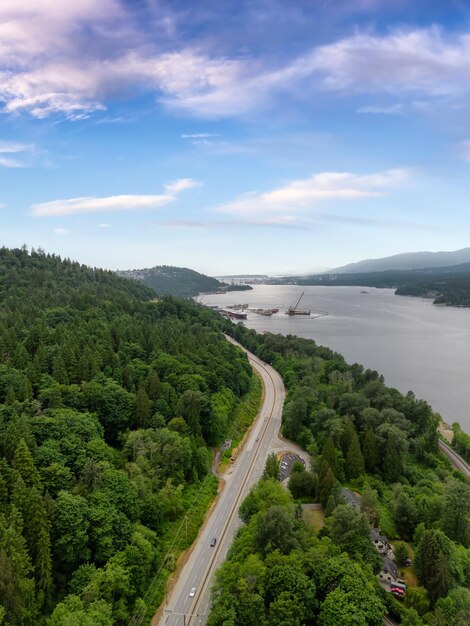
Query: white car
192	593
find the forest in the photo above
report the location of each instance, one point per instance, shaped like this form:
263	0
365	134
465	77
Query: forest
283	570
110	404
179	281
445	285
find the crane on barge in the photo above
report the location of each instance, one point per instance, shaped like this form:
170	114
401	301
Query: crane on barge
293	310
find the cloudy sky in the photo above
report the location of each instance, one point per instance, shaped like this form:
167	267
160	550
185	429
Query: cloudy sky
234	136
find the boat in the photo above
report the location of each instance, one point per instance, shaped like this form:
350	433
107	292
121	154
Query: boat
267	312
233	314
293	310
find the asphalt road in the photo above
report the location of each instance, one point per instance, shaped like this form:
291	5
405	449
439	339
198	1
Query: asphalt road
455	459
180	608
198	572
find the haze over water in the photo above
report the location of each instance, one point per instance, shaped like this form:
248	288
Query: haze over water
415	345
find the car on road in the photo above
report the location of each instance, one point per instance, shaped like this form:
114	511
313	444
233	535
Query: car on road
192	593
213	541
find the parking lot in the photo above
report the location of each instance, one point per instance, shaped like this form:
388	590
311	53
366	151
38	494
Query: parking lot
286	462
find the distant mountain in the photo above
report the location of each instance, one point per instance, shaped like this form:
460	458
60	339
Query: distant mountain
406	261
175	281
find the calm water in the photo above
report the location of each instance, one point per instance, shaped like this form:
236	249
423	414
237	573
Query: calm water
413	343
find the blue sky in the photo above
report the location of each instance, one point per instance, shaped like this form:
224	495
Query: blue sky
234	136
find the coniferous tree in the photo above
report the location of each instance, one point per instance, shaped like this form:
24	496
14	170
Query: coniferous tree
271	469
354	458
370	451
456	513
330	454
433	563
143	408
24	464
330	506
326	482
405	515
16	583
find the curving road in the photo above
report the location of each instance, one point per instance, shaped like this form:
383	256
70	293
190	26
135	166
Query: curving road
223	522
455	459
181	609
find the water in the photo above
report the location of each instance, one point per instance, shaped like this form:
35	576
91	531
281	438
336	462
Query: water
413	343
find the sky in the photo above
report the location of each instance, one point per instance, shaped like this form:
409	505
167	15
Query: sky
234	136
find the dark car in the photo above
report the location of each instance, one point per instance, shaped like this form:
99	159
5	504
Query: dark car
213	541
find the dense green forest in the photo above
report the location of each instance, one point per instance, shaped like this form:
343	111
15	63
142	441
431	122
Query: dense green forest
109	402
445	285
179	281
383	446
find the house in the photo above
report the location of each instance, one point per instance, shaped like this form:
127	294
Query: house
389	571
350	498
390	579
380	541
388	575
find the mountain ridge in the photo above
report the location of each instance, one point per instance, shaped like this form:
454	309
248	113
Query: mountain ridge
406	261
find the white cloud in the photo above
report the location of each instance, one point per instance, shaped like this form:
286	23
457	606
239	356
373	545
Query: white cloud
110	204
7	147
416	61
91	204
62	231
180	185
394	109
72	57
8	162
12	148
199	136
301	196
103	226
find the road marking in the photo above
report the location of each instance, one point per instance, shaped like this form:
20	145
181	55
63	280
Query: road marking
250	462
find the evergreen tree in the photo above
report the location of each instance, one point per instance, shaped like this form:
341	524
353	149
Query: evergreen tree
24	464
143	408
354	458
405	515
433	563
370	451
16	584
271	469
330	506
370	505
456	513
326	482
330	454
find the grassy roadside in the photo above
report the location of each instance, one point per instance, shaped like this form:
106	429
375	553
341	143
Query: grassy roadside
178	536
242	419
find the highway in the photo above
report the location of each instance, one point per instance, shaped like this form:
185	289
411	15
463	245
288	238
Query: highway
455	459
181	609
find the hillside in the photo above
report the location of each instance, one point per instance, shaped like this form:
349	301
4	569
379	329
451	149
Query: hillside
406	261
109	402
381	482
175	281
445	285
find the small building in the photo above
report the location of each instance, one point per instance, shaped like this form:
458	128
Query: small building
350	498
389	571
381	542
